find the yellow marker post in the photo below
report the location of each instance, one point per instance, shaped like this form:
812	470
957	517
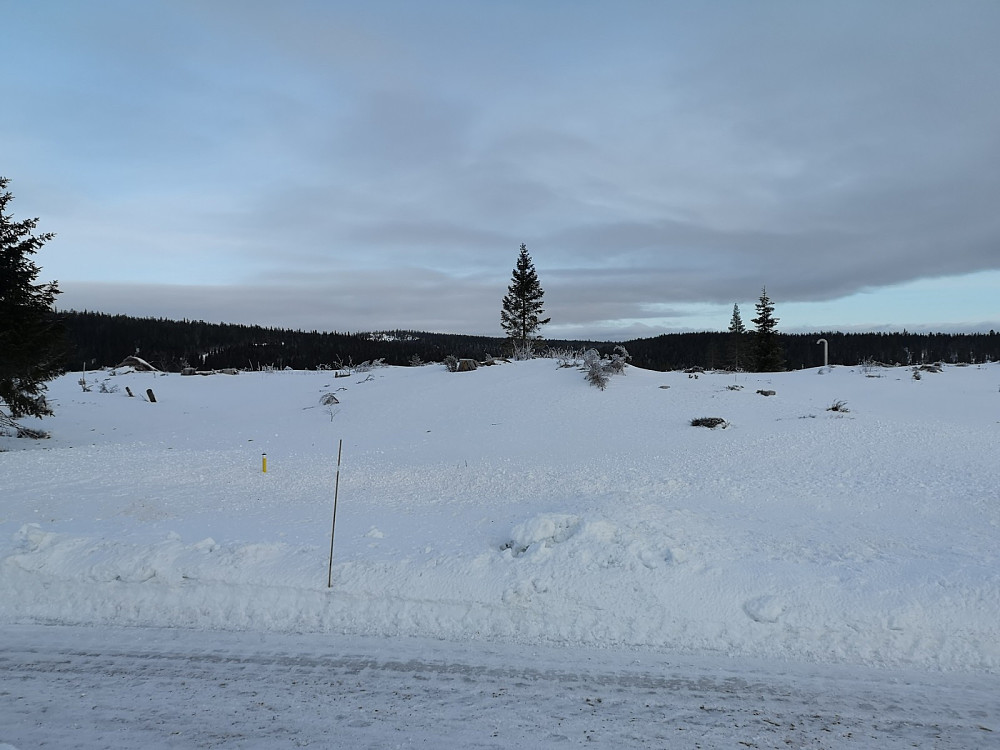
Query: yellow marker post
263	463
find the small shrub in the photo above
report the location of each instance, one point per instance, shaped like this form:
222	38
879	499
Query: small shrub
369	366
619	359
451	363
564	357
596	375
521	351
27	432
838	405
599	369
710	422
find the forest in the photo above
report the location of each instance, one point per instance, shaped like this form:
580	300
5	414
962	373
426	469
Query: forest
98	340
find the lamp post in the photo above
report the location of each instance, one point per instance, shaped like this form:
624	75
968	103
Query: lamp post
826	353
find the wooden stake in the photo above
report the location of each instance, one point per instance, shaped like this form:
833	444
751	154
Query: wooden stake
333	528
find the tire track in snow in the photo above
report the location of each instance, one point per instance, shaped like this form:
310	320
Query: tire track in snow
80	688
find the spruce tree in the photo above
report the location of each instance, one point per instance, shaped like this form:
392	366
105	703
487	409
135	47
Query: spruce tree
520	316
767	354
737	335
31	339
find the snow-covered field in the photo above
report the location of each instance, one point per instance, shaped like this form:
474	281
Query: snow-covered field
509	521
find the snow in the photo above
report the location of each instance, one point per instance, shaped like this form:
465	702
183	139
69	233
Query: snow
488	516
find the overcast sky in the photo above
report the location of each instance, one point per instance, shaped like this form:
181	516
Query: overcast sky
360	166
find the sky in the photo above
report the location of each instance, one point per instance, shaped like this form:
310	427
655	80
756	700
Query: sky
373	166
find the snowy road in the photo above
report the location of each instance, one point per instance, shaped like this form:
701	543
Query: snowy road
70	687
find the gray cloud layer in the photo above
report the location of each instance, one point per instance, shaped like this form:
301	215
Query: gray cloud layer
378	165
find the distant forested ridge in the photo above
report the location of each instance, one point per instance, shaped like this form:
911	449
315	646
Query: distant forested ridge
101	340
712	350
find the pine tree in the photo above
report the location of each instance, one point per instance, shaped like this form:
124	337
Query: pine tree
736	322
520	316
737	335
767	354
31	339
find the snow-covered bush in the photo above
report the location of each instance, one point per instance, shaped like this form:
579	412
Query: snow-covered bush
564	357
33	434
368	366
619	358
593	365
522	350
599	369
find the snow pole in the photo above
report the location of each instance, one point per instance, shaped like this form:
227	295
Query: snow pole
263	463
333	527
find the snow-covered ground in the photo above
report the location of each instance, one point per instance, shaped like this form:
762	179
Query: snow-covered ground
516	524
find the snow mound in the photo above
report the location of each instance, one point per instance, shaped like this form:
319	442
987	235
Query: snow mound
583	543
764	609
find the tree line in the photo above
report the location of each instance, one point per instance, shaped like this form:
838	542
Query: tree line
100	340
713	350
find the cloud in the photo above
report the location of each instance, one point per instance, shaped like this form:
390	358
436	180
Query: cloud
349	301
653	157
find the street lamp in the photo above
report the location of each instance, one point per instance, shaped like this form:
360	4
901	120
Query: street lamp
826	353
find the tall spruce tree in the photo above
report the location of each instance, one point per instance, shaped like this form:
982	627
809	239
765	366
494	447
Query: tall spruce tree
737	337
767	354
521	313
31	339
